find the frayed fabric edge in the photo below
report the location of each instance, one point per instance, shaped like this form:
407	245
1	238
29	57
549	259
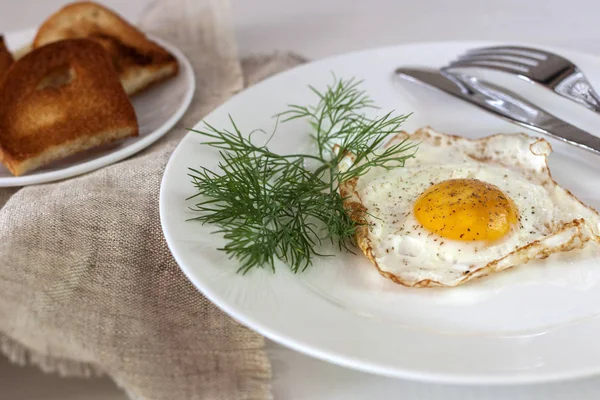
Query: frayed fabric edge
21	355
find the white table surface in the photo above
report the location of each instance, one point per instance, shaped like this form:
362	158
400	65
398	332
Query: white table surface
319	28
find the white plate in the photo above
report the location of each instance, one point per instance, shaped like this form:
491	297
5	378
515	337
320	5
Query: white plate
537	322
158	109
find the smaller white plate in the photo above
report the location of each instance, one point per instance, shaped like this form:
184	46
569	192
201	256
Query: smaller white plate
158	109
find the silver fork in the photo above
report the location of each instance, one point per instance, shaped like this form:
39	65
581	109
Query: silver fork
547	69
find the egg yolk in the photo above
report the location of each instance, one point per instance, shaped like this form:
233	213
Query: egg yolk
466	209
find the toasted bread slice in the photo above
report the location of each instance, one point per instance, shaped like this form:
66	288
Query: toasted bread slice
139	61
6	58
58	100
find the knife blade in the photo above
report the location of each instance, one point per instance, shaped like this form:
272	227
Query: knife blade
503	103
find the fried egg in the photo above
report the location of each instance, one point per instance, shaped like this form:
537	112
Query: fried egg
462	209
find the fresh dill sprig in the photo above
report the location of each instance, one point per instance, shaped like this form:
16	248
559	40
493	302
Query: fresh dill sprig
270	206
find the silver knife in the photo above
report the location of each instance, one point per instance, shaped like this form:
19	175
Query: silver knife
503	103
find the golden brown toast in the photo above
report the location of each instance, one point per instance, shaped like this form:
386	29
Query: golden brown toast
6	58
58	100
139	61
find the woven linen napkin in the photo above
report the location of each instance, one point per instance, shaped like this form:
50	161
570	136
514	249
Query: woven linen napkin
87	283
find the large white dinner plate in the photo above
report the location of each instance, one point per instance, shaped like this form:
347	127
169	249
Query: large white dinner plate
158	109
537	322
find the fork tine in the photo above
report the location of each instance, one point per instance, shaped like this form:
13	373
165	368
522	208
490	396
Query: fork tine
501	56
510	59
495	65
525	51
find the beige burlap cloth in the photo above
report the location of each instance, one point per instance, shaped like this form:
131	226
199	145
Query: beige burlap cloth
87	284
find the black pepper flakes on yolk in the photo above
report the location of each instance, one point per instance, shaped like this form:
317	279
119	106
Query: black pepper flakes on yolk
466	210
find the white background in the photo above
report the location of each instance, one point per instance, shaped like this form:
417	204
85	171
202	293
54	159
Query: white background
319	28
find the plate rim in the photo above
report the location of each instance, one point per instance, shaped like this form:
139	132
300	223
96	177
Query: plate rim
105	160
333	357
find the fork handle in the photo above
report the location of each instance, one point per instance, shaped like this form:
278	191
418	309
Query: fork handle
596	100
577	88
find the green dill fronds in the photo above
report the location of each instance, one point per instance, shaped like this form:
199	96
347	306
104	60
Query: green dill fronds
271	207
